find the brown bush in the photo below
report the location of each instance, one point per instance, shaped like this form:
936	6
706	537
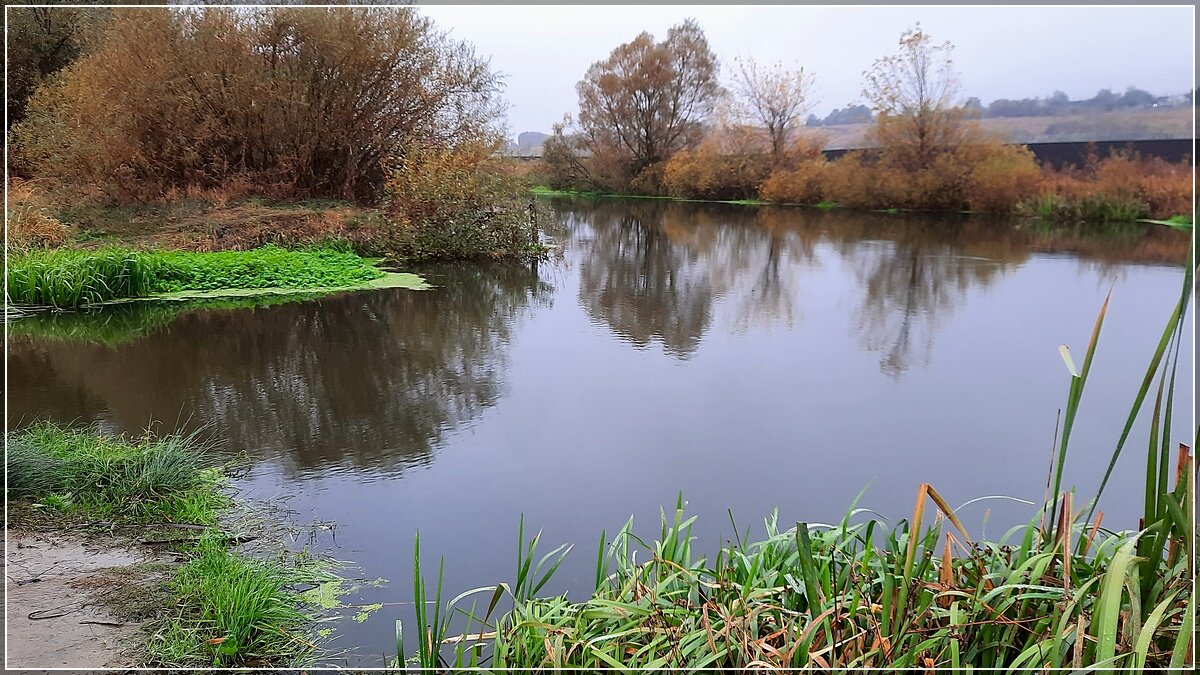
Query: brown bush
727	165
295	101
30	223
1166	188
651	180
802	183
1120	186
1001	178
455	202
983	176
855	180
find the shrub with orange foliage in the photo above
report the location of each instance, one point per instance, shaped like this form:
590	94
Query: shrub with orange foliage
983	176
1000	178
729	164
802	183
857	181
299	101
1121	186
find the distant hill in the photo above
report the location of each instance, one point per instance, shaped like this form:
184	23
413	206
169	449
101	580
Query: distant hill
1118	125
529	144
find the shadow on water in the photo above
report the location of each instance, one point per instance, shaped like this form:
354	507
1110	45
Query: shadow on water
370	379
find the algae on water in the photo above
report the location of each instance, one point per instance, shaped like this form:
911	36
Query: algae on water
413	282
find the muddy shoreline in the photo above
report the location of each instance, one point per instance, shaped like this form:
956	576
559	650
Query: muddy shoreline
74	601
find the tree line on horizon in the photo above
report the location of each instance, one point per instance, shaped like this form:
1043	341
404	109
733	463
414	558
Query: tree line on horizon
1053	105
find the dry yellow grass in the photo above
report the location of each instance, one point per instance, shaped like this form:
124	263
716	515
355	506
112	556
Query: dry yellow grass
30	222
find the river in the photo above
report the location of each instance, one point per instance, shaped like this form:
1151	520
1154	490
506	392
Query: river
750	358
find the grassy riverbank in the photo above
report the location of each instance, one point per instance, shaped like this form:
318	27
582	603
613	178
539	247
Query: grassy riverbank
71	278
858	594
543	191
1060	591
1099	210
220	607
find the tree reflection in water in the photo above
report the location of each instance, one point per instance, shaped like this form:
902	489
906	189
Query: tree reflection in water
660	271
380	379
371	379
657	271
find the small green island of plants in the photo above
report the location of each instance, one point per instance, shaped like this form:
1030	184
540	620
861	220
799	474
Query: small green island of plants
68	278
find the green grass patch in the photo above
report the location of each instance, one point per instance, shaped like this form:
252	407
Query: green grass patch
1179	221
221	607
81	472
235	610
66	278
1099	208
262	268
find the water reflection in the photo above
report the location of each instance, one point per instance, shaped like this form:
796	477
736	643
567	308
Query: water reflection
822	351
370	379
914	279
660	271
640	283
656	271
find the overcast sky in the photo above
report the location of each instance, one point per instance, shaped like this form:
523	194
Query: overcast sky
1000	52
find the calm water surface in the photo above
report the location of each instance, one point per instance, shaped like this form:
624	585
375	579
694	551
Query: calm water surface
751	358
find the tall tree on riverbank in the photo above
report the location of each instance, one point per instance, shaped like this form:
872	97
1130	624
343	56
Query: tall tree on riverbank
646	101
773	98
915	93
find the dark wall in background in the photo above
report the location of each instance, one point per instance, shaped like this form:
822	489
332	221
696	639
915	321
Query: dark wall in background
1076	152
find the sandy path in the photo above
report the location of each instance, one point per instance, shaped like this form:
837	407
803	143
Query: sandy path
67	590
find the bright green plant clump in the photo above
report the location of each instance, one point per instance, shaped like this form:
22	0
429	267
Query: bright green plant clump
71	278
168	479
266	267
233	610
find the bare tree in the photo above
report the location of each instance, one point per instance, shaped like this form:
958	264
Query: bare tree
915	93
648	99
772	97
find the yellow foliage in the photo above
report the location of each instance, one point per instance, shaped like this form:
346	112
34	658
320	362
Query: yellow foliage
727	165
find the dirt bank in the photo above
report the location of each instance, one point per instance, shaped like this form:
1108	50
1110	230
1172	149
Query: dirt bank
77	602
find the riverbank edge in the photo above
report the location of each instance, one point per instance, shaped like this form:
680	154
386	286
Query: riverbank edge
172	578
1181	222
